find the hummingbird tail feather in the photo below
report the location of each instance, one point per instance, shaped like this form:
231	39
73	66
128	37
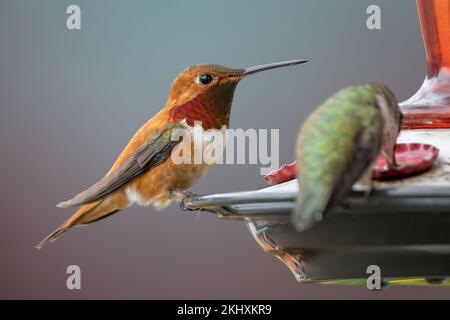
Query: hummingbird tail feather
307	212
74	220
53	236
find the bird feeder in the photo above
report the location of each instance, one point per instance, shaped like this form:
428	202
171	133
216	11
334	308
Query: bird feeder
404	231
403	227
429	108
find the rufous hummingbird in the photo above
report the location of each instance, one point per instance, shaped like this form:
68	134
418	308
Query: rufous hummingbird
144	172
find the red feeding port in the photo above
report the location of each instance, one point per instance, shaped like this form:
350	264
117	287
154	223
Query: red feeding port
285	173
411	158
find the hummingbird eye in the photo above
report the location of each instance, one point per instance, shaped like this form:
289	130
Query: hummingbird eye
205	78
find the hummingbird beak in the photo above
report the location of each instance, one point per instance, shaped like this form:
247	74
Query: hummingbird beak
264	67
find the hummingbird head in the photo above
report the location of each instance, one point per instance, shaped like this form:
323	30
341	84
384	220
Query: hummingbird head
388	101
204	93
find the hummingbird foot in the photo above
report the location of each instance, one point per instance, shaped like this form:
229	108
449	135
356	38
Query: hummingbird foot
366	183
188	194
183	206
185	195
368	193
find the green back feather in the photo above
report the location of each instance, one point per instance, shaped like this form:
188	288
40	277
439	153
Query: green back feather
325	146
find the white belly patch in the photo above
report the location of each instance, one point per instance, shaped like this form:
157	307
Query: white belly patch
135	198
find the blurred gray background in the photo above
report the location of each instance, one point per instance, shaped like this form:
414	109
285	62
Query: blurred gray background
70	100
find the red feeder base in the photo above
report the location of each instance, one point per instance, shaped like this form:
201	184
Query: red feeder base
411	158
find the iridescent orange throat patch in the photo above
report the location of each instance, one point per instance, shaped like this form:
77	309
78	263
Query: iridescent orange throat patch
199	109
211	108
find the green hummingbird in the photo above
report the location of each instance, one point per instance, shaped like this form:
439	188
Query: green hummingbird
338	144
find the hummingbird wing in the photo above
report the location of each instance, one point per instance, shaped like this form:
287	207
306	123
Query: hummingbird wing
367	148
149	155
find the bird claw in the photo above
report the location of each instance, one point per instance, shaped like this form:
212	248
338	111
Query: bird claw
183	206
186	196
